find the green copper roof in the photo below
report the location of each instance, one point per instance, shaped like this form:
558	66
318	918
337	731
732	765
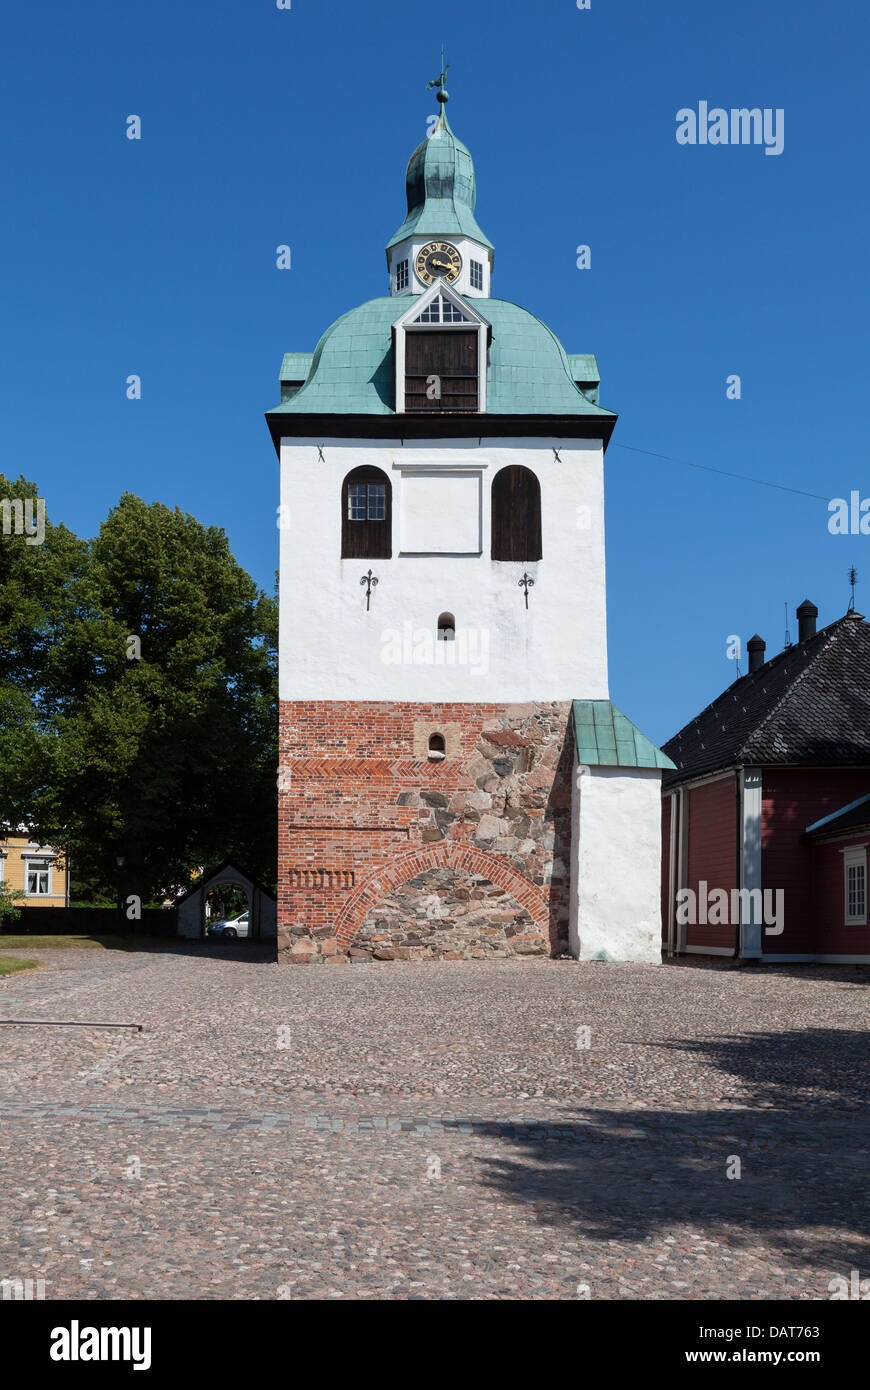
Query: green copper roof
296	366
605	738
584	367
440	186
352	369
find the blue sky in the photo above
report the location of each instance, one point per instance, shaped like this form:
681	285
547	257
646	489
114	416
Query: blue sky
263	126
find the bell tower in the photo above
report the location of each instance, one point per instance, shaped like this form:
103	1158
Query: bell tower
443	623
439	238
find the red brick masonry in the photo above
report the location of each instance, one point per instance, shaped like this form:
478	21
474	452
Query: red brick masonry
363	811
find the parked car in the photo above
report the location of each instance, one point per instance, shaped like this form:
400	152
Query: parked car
228	928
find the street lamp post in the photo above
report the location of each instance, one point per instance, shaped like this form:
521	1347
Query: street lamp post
119	860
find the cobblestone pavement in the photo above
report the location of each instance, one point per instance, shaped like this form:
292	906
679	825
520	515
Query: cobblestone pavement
512	1129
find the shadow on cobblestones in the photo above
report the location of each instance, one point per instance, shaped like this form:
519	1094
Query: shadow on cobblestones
823	1066
629	1175
802	1137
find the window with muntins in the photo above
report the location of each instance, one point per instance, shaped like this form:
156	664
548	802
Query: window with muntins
442	310
366	515
855	871
476	275
402	275
38	882
516	515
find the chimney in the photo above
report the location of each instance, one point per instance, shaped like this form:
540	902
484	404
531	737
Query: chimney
755	647
806	616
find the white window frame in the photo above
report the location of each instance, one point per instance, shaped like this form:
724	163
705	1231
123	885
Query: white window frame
402	274
407	322
854	858
38	864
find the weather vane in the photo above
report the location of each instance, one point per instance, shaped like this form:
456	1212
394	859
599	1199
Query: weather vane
440	80
853	580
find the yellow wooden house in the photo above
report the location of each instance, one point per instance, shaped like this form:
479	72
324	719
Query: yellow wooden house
39	871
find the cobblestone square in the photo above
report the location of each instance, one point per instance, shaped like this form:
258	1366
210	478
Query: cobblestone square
487	1129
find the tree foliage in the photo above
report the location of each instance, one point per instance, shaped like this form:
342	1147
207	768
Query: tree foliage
139	683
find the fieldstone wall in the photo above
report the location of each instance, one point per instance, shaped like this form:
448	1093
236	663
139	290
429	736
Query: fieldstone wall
450	915
370	833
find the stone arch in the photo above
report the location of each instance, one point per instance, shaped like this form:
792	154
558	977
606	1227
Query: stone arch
449	854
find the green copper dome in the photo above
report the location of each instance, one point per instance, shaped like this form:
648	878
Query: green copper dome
440	186
352	370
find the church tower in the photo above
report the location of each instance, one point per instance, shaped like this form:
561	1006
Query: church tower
453	779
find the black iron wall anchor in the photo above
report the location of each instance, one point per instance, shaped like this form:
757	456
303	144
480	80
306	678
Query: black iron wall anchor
526	583
370	580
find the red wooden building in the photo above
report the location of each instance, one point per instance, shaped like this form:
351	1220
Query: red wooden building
766	821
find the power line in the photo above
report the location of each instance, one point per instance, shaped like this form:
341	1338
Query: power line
723	472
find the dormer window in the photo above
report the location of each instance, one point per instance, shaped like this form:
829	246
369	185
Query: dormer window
442	310
402	275
441	355
475	271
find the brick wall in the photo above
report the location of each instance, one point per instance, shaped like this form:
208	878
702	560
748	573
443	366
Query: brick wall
363	812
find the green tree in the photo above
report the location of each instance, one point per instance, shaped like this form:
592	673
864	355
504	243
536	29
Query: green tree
157	709
9	899
35	605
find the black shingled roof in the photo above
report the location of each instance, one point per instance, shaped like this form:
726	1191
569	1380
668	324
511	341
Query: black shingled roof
807	707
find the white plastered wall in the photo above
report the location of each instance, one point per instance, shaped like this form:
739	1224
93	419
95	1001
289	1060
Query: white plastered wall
616	848
331	648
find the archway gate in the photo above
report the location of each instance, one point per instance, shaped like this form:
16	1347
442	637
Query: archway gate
262	906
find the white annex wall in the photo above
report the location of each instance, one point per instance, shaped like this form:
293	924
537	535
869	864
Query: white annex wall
331	648
616	846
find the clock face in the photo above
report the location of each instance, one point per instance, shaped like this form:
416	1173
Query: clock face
438	258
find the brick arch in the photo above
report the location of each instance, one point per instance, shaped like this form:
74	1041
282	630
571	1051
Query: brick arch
450	854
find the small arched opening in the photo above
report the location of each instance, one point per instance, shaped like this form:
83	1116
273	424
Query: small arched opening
437	748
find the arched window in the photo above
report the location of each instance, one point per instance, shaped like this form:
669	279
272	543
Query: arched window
437	750
366	515
516	514
447	628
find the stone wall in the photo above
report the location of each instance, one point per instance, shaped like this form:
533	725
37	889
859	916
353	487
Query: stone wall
361	815
450	915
